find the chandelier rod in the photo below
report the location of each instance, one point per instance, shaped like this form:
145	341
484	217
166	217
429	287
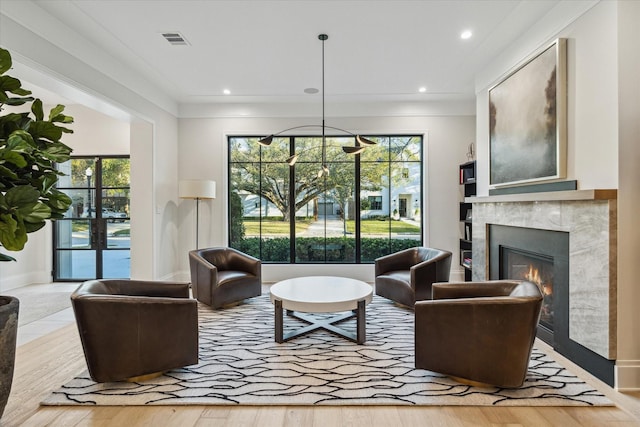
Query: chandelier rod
360	141
323	38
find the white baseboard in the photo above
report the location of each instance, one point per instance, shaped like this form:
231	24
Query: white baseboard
272	273
627	375
180	276
26	279
457	274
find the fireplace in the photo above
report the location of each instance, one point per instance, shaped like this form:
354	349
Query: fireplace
536	268
542	257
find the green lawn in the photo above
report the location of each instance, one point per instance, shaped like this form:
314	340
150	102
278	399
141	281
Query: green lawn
372	226
272	227
79	225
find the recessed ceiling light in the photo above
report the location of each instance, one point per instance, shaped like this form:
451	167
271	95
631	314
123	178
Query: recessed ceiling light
466	34
226	92
422	89
311	90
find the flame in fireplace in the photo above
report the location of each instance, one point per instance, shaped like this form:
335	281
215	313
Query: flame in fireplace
534	276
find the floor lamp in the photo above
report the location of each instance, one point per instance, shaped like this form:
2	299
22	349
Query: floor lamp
197	189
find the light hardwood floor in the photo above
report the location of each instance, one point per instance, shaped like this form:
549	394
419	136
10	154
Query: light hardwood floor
45	363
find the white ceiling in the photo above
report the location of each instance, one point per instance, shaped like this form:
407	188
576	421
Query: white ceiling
268	51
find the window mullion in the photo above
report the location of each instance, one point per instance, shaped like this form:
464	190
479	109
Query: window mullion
356	194
292	203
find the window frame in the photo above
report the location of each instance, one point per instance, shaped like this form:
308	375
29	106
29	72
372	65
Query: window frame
293	141
375	203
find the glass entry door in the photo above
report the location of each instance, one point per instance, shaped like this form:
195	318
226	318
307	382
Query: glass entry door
93	240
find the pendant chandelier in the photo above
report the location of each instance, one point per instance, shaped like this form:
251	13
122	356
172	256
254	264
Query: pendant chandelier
361	142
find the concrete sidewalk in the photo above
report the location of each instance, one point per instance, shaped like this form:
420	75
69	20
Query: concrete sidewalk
333	227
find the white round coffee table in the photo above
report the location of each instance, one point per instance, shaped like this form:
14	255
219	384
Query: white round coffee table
321	294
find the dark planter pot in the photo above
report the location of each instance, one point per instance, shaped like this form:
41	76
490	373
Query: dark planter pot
8	332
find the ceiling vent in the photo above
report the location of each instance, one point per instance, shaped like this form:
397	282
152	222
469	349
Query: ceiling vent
175	39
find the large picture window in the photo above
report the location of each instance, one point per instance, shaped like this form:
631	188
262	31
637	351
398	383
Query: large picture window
368	205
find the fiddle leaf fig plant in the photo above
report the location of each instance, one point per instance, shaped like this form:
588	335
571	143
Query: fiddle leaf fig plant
29	148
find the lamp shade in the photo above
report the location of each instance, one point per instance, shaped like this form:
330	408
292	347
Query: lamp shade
197	189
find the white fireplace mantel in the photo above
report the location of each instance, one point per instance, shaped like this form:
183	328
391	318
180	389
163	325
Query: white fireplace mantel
551	196
590	218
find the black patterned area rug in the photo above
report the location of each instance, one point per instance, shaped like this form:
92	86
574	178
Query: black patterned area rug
240	363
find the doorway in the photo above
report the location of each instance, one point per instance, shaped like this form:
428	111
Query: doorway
93	240
403	207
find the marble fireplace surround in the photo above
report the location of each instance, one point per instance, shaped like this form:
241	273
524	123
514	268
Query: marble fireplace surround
590	218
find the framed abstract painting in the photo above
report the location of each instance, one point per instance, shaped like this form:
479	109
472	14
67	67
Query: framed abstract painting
527	120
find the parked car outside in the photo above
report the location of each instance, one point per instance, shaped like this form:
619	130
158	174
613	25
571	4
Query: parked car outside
113	215
109	214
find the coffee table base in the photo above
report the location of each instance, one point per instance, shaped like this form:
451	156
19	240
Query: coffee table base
327	324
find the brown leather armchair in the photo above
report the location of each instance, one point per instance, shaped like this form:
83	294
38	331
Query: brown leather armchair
132	328
478	331
406	276
221	276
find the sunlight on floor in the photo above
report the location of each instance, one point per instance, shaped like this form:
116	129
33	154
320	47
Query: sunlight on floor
42	318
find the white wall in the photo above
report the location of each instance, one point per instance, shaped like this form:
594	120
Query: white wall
33	262
592	140
603	129
95	133
628	363
153	137
203	155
